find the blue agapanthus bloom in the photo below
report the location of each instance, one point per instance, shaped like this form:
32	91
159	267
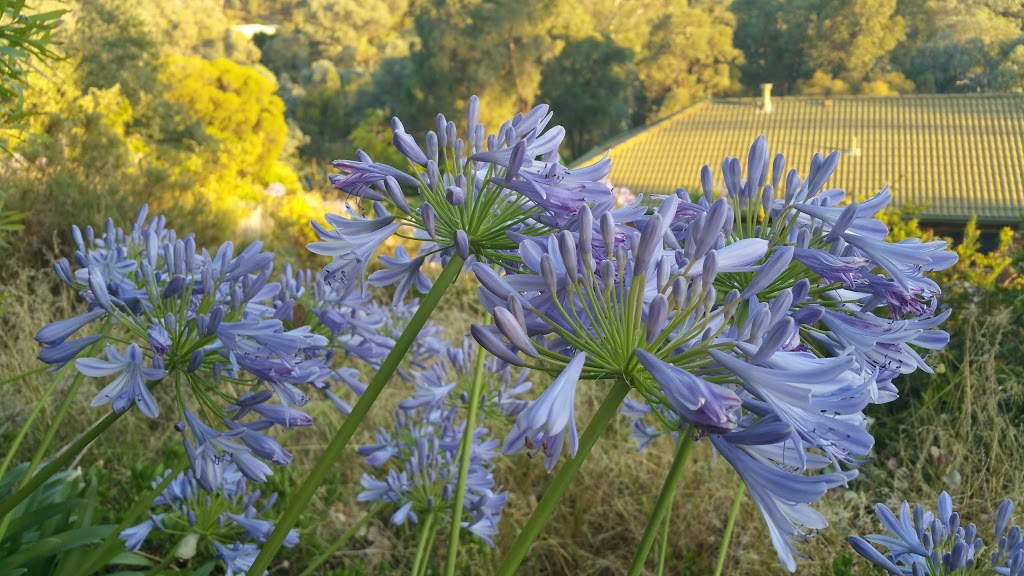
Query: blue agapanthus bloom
478	191
767	318
936	543
225	520
414	464
210	325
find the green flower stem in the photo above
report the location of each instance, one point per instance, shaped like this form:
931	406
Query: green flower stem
113	545
467	445
664	502
92	350
724	548
422	550
21	375
334	547
54	424
57	464
333	452
605	412
663	546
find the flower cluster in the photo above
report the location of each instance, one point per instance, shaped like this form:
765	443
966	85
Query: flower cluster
480	192
767	323
230	342
922	542
416	463
225	519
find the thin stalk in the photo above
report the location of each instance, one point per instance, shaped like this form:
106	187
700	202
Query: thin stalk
605	412
53	425
340	542
664	502
21	375
59	461
426	553
735	510
663	545
334	450
99	557
467	452
421	544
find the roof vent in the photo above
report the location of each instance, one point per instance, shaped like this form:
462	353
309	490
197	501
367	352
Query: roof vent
855	147
766	98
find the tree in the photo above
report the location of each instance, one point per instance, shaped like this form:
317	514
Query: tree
687	56
588	86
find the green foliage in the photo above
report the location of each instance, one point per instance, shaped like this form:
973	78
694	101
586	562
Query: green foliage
23	36
589	88
51	528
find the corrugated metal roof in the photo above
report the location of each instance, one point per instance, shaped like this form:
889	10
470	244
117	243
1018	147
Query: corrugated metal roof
952	155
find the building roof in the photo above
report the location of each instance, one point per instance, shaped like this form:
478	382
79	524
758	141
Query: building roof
950	156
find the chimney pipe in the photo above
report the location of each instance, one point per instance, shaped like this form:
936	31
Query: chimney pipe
766	98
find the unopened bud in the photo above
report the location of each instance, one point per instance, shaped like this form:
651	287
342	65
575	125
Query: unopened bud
567	248
462	244
456	196
395	193
650	240
608	232
511	329
769	271
586	232
778	335
490	342
429	219
679	290
196	360
657	316
846	218
547	272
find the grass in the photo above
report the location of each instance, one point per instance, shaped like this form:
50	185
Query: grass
957	430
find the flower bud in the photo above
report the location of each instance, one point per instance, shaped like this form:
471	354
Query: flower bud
707	182
441	126
547	272
432	145
709	270
650	240
216	316
455	196
196	360
515	162
769	271
490	342
429	219
679	289
513	331
758	323
608	232
567	248
586	232
462	244
663	272
778	335
450	133
607	271
492	282
657	315
433	174
846	218
395	193
767	197
516	308
98	286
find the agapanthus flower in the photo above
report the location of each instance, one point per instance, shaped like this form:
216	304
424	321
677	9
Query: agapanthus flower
129	387
767	323
225	520
209	322
920	541
476	190
415	470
